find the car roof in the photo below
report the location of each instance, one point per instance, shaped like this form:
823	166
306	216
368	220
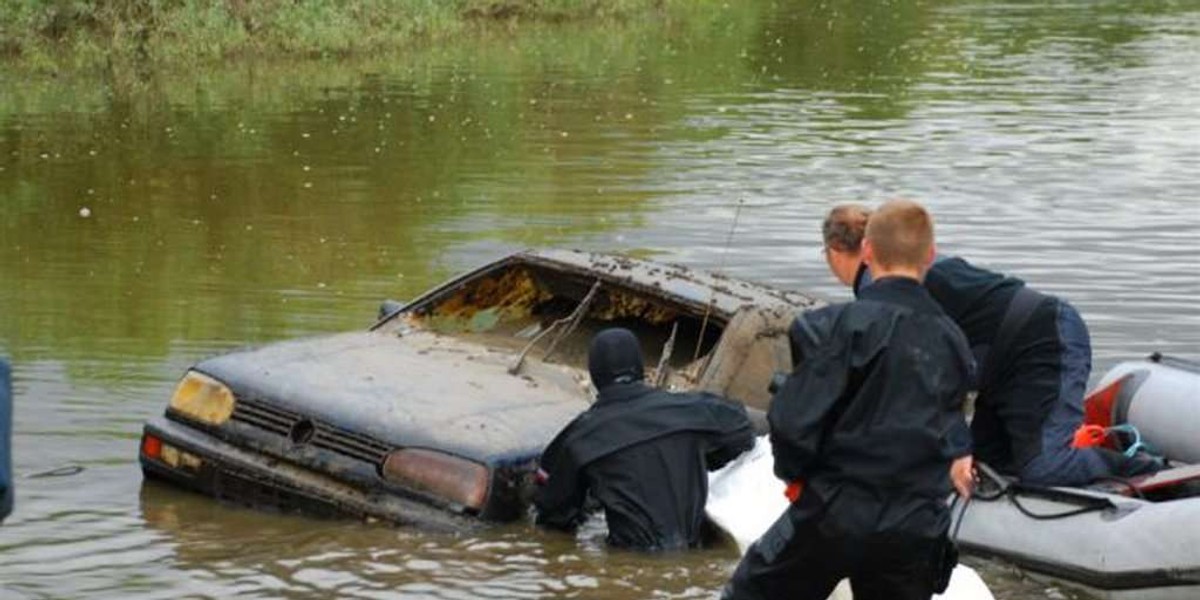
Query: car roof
684	284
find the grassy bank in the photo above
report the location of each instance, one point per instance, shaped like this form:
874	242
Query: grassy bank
84	33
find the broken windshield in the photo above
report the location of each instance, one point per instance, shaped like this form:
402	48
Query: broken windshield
516	303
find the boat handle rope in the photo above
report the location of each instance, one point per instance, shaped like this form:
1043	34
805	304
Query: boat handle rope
961	514
1137	444
1012	491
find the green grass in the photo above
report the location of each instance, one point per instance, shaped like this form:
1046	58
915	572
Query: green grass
55	34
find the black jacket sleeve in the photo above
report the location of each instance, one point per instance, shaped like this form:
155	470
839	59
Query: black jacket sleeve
735	435
800	409
562	487
811	330
809	402
956	441
809	393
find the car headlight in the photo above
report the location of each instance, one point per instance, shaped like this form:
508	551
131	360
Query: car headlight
456	479
203	399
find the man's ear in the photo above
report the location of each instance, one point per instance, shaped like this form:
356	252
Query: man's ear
868	251
932	254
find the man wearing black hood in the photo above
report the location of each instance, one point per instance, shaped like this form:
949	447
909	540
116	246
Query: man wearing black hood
641	452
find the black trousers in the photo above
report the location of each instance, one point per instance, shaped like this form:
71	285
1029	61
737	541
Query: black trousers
800	559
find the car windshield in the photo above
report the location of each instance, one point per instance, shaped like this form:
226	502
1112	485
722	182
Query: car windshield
553	314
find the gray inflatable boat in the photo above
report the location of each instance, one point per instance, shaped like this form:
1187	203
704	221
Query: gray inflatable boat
1127	540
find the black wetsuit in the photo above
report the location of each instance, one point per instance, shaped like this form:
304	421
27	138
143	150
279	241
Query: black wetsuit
643	454
870	421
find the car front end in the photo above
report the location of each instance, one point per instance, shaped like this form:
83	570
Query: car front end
365	424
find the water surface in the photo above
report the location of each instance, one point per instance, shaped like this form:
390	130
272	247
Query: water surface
149	220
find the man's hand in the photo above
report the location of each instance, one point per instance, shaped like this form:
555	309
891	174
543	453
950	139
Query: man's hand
793	490
962	475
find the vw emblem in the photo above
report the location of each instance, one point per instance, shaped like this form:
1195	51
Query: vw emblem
302	432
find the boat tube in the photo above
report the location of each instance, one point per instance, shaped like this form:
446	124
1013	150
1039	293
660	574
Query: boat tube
1120	539
1160	398
745	498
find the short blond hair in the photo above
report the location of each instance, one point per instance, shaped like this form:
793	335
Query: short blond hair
845	227
901	234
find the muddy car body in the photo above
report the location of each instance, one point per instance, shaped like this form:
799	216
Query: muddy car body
437	414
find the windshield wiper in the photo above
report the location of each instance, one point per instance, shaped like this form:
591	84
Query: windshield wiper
660	373
571	321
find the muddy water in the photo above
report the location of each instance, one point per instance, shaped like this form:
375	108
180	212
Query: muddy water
148	220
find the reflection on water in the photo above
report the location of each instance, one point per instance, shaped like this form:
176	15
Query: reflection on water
227	551
149	221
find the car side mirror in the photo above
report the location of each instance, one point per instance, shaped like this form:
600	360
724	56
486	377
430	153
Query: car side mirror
390	307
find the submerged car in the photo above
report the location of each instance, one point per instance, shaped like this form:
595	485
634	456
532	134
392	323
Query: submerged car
436	415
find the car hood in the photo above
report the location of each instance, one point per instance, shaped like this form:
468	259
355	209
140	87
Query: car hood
419	389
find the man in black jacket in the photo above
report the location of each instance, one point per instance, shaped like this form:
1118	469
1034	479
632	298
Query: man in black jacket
870	422
1034	357
641	452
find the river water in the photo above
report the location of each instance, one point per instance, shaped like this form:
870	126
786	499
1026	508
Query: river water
148	219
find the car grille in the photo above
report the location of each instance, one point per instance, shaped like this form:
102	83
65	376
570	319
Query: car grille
329	437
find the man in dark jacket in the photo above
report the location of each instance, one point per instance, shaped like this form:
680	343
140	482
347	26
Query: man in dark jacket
870	422
1034	356
641	452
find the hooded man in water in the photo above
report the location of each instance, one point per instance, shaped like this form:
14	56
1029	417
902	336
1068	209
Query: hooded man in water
1033	354
866	430
640	452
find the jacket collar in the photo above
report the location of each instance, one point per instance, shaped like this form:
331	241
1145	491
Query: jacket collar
862	279
903	291
622	392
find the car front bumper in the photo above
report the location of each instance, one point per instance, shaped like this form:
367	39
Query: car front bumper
196	460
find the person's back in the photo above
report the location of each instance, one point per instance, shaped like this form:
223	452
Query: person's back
896	427
653	493
1034	355
974	297
640	452
1021	373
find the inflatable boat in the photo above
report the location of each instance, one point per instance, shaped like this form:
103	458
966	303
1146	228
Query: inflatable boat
745	498
1120	539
